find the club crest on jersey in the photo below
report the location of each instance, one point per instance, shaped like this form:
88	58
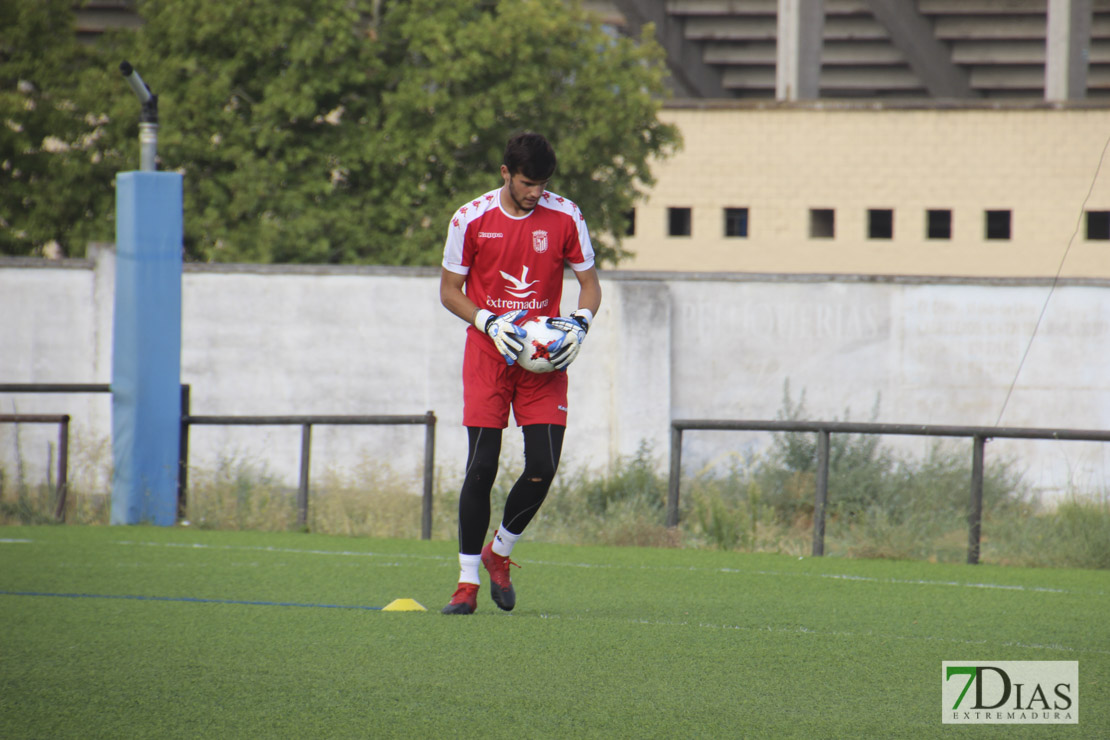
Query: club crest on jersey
539	241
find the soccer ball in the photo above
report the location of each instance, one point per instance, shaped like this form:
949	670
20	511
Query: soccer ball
540	342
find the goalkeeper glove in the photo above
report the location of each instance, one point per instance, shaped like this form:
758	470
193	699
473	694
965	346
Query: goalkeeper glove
505	334
576	325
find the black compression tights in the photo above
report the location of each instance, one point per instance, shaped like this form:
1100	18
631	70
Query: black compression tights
542	446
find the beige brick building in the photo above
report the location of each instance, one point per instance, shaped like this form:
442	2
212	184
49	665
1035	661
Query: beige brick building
882	189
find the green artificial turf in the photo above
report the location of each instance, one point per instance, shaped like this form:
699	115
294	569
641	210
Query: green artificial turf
604	642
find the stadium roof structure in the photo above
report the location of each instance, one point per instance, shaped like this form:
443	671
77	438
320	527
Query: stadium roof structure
926	50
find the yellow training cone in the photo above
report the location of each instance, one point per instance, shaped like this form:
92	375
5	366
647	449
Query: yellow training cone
403	605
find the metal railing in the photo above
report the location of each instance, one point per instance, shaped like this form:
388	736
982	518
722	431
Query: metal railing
96	388
306	422
823	429
62	420
55	388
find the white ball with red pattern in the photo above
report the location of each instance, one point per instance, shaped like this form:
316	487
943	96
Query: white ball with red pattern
540	342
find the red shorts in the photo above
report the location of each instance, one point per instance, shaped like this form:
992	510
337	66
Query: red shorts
490	386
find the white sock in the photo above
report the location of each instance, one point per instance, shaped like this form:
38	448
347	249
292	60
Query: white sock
468	568
503	541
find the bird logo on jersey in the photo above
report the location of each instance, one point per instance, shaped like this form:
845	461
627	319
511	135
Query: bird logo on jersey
519	285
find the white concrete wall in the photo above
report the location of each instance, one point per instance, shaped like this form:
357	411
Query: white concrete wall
273	340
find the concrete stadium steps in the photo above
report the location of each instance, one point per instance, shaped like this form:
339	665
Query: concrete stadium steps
999	46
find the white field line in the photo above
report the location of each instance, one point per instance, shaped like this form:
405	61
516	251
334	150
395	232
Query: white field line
287	550
15	542
870	634
923	582
834	576
770	573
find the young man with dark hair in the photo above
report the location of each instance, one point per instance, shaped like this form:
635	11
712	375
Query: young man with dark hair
504	258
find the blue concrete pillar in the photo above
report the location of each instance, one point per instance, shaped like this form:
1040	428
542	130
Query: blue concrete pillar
146	348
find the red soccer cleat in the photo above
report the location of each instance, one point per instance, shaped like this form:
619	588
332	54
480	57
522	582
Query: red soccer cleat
501	586
464	600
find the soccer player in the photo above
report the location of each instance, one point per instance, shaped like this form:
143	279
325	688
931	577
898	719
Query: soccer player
503	259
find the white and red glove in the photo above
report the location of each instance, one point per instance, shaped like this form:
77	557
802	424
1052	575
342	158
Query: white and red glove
506	335
576	325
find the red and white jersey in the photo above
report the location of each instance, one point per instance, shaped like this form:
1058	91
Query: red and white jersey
517	262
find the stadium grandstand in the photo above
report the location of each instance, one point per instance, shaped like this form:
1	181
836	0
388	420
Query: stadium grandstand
878	49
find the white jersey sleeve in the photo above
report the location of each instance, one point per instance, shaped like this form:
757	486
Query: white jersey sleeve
453	246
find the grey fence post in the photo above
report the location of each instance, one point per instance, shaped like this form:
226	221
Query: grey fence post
63	468
821	497
975	508
183	454
302	490
429	475
676	470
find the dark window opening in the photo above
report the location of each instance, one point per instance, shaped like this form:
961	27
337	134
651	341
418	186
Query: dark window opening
736	222
630	222
678	221
880	223
998	224
938	224
822	223
1098	225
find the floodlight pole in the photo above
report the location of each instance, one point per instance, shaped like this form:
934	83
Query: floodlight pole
148	120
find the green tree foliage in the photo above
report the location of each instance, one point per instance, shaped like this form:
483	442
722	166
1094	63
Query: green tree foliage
51	166
348	131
